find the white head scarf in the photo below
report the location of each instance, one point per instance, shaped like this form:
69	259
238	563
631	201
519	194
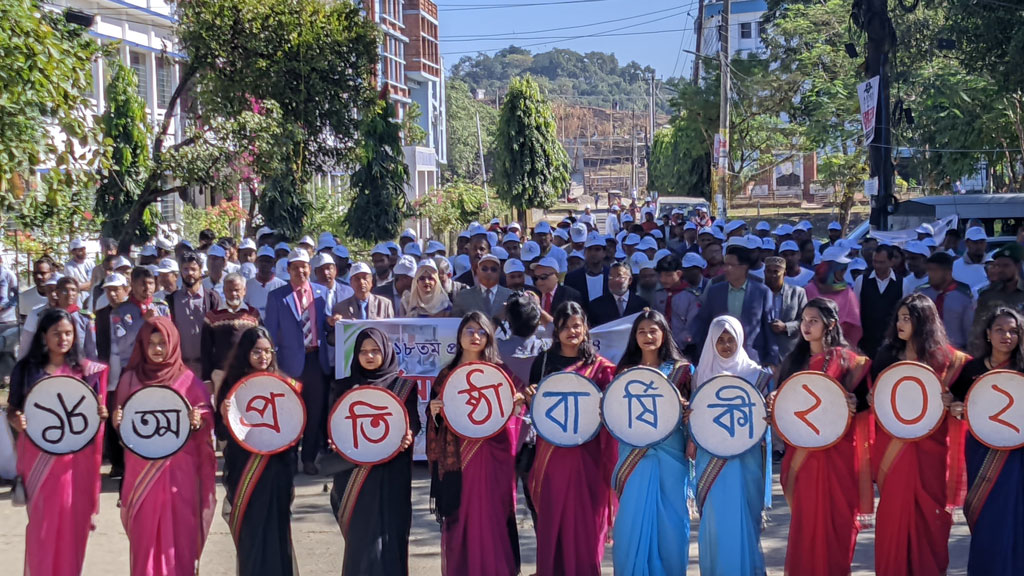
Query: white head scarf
712	364
416	302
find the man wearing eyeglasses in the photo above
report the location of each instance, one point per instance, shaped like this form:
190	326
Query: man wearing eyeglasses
552	294
486	295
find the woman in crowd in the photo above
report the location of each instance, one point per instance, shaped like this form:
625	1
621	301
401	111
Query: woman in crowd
652	526
731	493
167	505
259	487
473	482
373	503
829	282
915	498
62	492
994	506
571	487
827	489
426	298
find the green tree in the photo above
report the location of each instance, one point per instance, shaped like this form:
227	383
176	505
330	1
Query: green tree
45	73
126	131
454	206
463	144
379	206
531	167
680	162
303	65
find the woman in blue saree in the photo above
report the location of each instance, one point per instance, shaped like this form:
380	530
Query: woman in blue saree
652	528
733	492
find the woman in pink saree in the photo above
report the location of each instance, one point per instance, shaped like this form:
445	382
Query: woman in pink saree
167	505
62	492
572	487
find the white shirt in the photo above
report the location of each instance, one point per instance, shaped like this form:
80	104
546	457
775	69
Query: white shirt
611	225
882	284
911	283
800	279
281	269
561	256
28	300
218	287
81	272
256	293
247	270
29	329
595	286
970	274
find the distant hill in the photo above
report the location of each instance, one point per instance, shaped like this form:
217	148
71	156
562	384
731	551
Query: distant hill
592	79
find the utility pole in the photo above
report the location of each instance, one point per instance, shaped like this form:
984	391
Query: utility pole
480	143
650	132
874	20
697	54
723	126
632	152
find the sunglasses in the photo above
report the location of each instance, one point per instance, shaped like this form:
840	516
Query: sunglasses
475	332
489	269
543	277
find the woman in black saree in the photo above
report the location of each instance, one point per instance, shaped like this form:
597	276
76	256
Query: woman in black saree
376	501
260	488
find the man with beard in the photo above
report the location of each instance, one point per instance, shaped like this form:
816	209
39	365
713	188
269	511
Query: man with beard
223	327
787	302
79	267
256	290
189	306
128	317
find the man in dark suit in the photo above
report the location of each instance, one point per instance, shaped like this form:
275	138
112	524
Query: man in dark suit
402	273
296	320
591	281
744	299
486	296
363	304
619	300
552	294
478	246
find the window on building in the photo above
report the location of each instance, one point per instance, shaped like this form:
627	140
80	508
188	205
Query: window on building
164	81
746	31
140	63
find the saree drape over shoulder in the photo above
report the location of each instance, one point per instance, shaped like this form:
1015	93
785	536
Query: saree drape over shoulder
473	494
827	489
652	526
919	482
62	492
571	488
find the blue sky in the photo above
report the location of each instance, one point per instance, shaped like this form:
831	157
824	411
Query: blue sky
648	31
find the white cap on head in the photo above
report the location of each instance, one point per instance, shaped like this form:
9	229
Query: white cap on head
740	241
789	246
835	254
561	233
575	254
657	233
762	225
409	233
263	232
734	225
283	246
718	234
461	264
689	226
358	268
326	240
925	229
321	260
464	234
150	250
530	251
916	247
247	244
492	238
638	261
380	249
298	255
500	252
340	251
496	221
976	233
307	240
186	244
647	243
122	262
706	230
413	249
627	217
114	279
510	237
477	230
929	242
768	244
614	208
595	240
76	244
514	265
661	254
215	251
427	263
546	262
265	251
578	233
165	244
406	266
166	266
783	230
434	246
542	227
514	226
631	240
834	225
694	260
619	254
804	225
858	264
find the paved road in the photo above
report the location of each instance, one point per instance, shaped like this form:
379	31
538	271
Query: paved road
319	543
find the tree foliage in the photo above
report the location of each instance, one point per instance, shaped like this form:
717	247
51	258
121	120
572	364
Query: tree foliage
45	72
454	206
531	167
379	207
463	143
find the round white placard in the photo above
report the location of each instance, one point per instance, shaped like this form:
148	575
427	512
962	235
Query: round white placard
641	407
566	410
811	411
727	416
907	400
995	409
155	422
61	414
478	400
367	425
265	415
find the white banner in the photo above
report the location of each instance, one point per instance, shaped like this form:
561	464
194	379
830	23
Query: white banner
868	92
426	345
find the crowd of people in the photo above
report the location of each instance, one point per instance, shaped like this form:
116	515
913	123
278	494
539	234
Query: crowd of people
711	297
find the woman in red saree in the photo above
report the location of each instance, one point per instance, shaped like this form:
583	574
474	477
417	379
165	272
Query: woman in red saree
571	487
62	492
473	482
919	482
827	489
167	505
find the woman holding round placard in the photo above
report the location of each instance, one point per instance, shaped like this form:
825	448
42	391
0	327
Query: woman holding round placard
915	497
652	527
571	487
61	492
994	505
259	487
731	493
826	489
473	482
167	505
427	298
373	504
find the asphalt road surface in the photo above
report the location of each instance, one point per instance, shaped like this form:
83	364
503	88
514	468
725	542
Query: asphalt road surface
319	544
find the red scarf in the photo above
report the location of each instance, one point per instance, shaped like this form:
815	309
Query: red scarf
671	293
940	300
144	306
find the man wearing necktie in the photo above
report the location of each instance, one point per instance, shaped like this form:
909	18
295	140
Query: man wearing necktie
363	304
296	319
552	293
619	301
486	295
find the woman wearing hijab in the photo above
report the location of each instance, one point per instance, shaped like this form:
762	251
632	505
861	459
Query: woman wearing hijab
167	505
652	484
259	487
571	487
732	492
919	482
829	282
826	489
426	298
373	503
473	482
61	492
994	506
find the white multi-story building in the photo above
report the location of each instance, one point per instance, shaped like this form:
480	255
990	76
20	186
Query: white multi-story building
745	27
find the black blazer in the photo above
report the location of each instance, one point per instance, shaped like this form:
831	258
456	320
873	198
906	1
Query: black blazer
605	309
577	280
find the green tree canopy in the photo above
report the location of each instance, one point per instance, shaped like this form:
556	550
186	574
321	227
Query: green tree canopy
463	144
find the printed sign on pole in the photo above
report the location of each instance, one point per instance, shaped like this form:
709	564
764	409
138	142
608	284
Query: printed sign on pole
868	92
